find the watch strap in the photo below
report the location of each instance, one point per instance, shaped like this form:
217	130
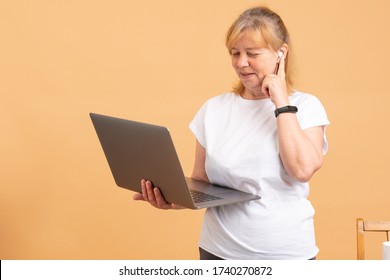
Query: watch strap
286	109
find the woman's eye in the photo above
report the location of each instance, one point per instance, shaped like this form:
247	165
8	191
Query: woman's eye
251	54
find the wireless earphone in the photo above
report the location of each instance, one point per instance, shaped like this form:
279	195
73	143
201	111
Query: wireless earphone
280	53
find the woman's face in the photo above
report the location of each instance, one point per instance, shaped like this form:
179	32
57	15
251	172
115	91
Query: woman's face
252	63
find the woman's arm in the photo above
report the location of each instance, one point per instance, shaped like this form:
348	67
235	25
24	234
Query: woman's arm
199	171
300	150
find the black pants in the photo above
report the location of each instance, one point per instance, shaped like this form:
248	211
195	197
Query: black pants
204	255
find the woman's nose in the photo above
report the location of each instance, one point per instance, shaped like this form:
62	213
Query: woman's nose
242	61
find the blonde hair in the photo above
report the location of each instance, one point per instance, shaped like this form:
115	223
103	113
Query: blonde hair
268	29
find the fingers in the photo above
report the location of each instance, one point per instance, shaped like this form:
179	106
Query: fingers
265	86
143	189
148	192
160	201
274	86
177	207
138	196
281	68
154	196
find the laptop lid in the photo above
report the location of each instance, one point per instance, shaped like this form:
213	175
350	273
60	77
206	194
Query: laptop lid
137	151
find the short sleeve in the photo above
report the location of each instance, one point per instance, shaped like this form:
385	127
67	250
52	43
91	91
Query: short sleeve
311	113
197	125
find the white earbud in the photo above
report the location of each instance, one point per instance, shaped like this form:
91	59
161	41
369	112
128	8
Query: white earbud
280	54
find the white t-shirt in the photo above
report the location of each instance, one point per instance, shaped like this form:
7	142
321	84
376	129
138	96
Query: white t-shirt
240	138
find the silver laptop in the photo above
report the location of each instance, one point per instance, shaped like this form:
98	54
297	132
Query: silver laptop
136	151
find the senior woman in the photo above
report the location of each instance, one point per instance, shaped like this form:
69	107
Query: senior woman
264	137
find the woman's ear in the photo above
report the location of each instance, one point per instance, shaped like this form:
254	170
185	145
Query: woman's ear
283	51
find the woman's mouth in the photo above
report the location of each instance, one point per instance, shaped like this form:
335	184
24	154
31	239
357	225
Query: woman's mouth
246	75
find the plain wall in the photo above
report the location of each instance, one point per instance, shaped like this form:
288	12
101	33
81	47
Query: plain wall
159	61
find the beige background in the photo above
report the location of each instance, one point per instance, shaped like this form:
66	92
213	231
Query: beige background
158	61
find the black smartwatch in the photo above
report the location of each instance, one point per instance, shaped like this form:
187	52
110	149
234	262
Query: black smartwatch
286	109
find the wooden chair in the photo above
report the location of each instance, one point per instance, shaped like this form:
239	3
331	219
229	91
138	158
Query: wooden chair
363	226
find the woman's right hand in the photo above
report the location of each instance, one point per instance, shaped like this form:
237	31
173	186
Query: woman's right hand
154	197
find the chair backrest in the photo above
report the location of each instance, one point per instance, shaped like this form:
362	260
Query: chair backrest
363	226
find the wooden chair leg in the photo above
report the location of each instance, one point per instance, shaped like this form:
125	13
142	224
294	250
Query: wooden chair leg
360	239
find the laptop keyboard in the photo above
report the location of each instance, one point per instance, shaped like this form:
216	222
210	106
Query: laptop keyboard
199	197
